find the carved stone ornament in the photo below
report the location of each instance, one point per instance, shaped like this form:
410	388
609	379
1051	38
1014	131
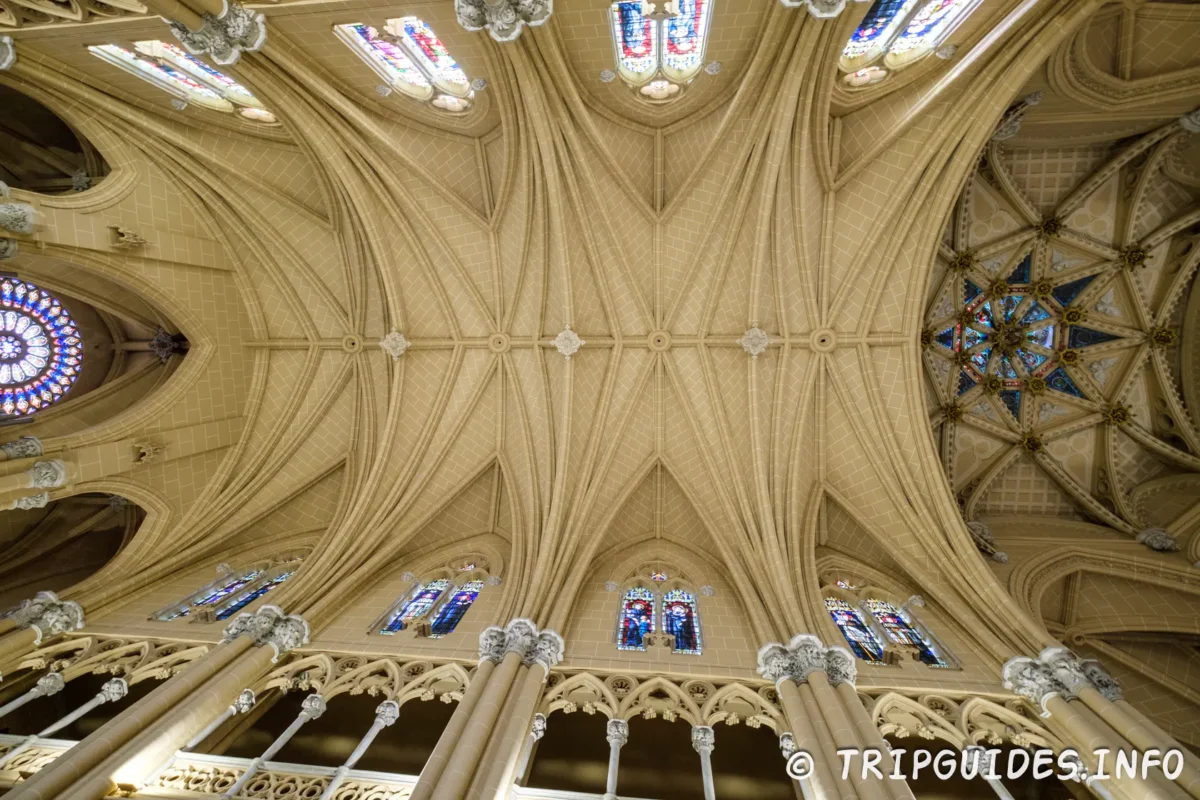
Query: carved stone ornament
145	452
269	625
1066	668
1159	540
821	9
47	474
755	342
408	577
48	615
25	447
387	713
1190	121
568	342
1010	123
539	727
503	19
8	248
1102	681
394	344
984	763
8	53
618	732
17	217
164	345
946	51
224	37
787	744
548	651
984	542
611	586
80	181
39	500
1032	680
113	690
313	706
703	740
840	666
607	76
48	684
707	591
117	504
491	644
244	702
179	104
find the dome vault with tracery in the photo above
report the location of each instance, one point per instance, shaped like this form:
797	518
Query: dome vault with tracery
506	399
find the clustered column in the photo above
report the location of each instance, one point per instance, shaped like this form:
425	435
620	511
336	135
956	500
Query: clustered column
1084	703
617	735
816	689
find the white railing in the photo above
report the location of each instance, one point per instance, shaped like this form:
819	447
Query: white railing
29	760
199	775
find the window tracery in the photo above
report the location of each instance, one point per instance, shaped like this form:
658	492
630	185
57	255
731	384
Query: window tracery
896	33
417	606
187	77
411	58
659	52
41	351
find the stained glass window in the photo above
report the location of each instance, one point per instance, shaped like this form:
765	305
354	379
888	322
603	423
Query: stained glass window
682	620
862	641
901	631
216	595
658	576
895	33
184	76
41	352
1015	332
666	52
448	617
410	57
252	595
417	606
637	619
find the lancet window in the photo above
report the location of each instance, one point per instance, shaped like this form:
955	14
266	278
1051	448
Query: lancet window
896	33
637	619
656	51
682	620
657	614
863	642
411	59
417	606
190	79
232	592
901	631
450	614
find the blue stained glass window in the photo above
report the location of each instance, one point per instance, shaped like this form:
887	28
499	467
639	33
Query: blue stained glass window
946	338
862	641
41	351
1066	293
1060	381
1009	303
428	48
418	606
980	358
1012	401
900	631
970	291
1084	337
972	337
681	620
684	39
1042	336
410	57
926	27
1030	359
1006	369
965	384
637	618
1036	313
251	596
984	315
882	19
1022	272
451	613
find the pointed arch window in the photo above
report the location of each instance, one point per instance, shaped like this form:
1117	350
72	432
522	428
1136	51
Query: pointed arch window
854	628
659	52
213	594
417	606
411	59
185	76
452	612
637	619
249	596
896	33
681	619
901	631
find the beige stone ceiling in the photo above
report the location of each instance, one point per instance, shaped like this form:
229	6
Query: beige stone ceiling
768	196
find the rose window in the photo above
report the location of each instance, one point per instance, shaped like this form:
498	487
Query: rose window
41	351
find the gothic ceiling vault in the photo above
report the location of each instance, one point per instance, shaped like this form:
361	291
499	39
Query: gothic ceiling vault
776	320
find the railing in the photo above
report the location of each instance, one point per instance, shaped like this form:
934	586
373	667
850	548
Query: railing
528	793
198	775
30	760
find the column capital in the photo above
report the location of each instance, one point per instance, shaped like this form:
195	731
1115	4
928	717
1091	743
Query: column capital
787	744
1066	668
387	713
539	727
503	19
16	217
1033	680
269	625
703	740
1102	680
49	616
491	644
523	637
840	666
313	706
244	702
48	684
113	690
47	474
618	732
25	447
801	657
224	37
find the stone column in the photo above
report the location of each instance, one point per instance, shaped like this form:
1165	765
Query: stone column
536	732
842	670
541	650
312	708
110	692
245	701
839	724
703	742
984	766
617	735
43	617
43	476
386	714
48	684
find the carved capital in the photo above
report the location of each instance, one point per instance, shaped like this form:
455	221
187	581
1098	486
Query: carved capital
503	19
617	732
840	666
492	643
244	702
8	53
48	684
113	690
224	37
787	745
47	474
39	500
8	248
539	727
17	217
313	706
1102	681
808	656
547	651
25	447
387	712
1032	680
1158	539
1066	669
269	625
703	740
774	662
48	615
